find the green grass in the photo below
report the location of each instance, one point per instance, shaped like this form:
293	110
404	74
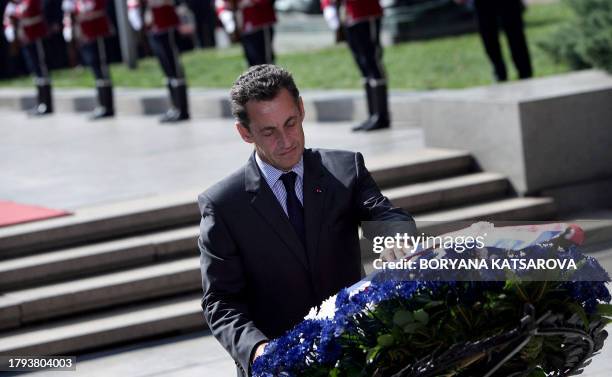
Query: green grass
451	62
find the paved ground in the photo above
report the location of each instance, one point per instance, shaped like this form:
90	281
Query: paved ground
64	161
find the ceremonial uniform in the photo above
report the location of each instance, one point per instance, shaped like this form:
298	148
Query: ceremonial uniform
87	21
24	22
161	21
251	21
361	20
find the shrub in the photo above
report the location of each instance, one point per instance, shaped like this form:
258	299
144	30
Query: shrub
586	40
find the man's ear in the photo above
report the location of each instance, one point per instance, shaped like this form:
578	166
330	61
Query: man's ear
301	107
244	132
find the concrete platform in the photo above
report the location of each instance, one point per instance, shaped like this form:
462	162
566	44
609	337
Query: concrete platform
320	105
65	161
544	133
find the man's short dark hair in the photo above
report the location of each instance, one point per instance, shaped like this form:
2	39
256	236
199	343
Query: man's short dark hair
260	83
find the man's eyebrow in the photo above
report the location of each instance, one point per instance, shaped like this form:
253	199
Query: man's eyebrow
264	129
267	128
290	118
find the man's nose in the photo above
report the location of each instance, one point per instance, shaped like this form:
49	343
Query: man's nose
284	139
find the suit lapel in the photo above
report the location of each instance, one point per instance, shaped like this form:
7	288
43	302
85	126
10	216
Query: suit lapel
316	188
266	204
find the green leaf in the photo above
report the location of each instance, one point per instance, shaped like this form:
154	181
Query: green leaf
537	373
604	310
402	317
385	340
372	353
411	328
421	316
433	304
579	311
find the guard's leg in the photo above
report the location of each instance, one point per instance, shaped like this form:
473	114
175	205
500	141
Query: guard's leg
35	59
164	47
182	100
371	51
382	119
104	86
180	90
512	20
488	26
256	48
355	36
105	106
269	45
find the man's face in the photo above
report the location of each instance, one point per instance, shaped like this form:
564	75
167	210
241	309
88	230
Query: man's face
276	130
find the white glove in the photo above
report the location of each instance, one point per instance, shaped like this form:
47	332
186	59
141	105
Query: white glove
330	13
68	6
87	6
135	19
67	33
227	19
9	33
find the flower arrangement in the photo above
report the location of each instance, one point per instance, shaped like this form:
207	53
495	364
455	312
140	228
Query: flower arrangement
501	325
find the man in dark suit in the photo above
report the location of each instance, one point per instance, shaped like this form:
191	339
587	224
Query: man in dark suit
280	235
506	14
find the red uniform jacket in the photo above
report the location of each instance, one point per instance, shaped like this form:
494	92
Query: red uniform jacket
357	10
161	14
28	16
250	15
91	18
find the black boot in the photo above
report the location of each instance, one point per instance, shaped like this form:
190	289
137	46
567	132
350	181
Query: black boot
105	108
44	101
381	119
182	101
170	114
371	107
178	110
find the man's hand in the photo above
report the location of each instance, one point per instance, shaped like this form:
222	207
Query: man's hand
394	254
259	351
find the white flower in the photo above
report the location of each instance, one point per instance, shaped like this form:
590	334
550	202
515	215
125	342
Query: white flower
324	311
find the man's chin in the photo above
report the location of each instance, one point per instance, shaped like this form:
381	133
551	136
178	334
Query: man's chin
289	161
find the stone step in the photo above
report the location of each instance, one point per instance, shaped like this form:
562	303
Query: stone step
19	273
431	163
105	256
449	192
501	210
176	314
23	307
100	223
35	304
121	325
156	213
519	209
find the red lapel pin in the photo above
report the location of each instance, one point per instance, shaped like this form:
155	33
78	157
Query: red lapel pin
318	190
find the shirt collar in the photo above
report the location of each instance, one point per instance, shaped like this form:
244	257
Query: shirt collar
272	174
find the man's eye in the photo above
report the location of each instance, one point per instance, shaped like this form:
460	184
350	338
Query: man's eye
266	134
290	124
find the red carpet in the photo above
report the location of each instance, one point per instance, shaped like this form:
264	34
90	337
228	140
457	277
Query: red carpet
13	213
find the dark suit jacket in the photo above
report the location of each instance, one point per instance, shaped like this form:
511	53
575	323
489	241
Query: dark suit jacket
258	280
